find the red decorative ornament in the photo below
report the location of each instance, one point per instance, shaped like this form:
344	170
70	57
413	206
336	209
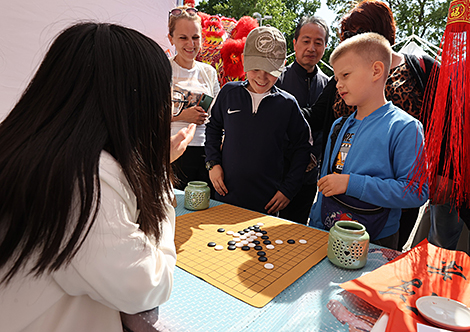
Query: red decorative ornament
223	40
446	112
228	24
204	17
243	27
190	3
213	27
231	53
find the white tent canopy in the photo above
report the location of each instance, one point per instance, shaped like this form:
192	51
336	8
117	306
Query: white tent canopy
28	27
416	45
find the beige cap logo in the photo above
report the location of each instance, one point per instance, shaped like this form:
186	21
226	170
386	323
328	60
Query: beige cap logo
264	43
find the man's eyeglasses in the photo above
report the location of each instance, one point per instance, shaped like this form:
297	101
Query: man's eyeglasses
178	101
178	11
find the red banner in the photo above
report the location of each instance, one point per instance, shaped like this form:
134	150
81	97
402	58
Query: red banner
424	270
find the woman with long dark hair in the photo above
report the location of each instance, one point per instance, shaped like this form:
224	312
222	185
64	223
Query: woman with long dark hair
86	224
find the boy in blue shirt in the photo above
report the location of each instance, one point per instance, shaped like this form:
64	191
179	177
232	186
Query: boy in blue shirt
257	123
370	164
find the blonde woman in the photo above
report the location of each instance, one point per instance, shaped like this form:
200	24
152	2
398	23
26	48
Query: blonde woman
192	82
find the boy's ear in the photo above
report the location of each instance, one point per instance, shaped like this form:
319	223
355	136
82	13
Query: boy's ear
170	39
378	69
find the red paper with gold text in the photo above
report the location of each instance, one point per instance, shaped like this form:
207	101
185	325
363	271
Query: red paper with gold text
424	270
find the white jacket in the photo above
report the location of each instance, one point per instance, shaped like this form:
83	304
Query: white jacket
118	268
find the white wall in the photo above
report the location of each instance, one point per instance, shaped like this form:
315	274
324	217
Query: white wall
27	27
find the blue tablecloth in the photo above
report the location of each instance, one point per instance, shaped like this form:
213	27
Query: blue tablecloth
306	305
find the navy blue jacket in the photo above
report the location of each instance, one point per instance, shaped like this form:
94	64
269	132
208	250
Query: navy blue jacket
254	145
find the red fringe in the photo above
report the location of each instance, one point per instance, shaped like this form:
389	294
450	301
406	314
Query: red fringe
446	112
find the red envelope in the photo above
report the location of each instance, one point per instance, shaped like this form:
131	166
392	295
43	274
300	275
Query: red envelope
424	270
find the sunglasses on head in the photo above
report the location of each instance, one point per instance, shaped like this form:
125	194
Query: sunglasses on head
178	11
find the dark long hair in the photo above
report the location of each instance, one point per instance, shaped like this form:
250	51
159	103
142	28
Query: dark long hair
99	87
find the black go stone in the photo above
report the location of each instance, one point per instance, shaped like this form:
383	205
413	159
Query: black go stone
291	241
251	228
246	230
261	253
231	247
267	242
231	243
211	244
262	259
264	232
256	242
245	248
221	230
258	248
265	237
241	232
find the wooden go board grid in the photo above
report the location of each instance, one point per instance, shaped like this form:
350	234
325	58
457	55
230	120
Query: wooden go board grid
238	272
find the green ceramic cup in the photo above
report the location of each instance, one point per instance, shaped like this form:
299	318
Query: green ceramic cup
348	244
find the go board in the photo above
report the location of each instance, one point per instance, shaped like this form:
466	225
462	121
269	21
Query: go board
239	272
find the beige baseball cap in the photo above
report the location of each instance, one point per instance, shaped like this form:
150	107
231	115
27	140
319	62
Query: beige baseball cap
265	49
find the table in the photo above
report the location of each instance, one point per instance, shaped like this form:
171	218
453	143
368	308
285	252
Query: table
306	305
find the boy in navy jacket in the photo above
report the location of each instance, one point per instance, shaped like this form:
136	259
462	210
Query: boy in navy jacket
252	124
373	156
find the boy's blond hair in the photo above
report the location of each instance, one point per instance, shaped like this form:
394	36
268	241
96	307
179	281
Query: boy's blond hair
370	46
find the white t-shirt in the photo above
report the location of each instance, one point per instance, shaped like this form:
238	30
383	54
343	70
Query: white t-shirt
256	99
118	268
202	78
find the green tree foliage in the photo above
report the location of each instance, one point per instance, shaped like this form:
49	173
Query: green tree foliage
424	18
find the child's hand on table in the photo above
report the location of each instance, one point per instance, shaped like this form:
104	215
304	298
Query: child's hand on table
333	184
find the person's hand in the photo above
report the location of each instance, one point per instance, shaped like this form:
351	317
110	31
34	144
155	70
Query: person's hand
333	184
277	203
193	114
216	174
180	141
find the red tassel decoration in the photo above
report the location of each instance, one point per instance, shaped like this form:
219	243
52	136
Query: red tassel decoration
446	112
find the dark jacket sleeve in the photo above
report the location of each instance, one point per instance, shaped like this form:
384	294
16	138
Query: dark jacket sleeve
298	133
215	130
325	103
421	67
